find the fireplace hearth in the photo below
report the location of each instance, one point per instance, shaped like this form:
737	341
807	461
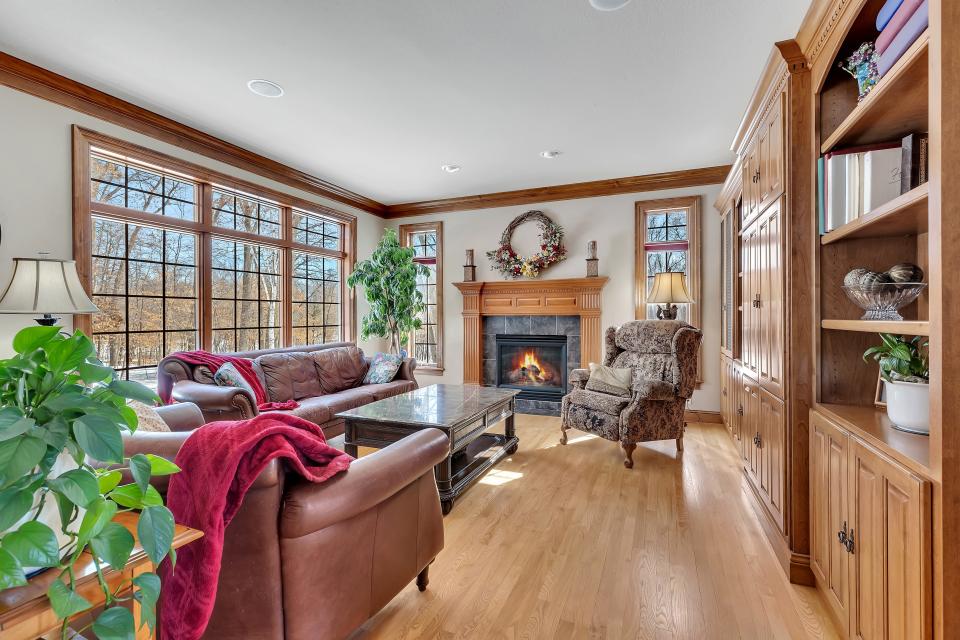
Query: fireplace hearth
534	364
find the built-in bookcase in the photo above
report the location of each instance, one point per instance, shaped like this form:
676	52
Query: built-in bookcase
893	233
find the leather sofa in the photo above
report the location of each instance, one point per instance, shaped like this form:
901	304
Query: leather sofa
324	378
307	561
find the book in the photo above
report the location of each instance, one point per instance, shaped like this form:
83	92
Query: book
886	12
913	161
881	178
854	188
835	190
907	35
821	197
896	23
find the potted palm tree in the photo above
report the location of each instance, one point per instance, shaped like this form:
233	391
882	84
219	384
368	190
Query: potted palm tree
905	371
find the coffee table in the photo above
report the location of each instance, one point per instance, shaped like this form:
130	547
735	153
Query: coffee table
463	412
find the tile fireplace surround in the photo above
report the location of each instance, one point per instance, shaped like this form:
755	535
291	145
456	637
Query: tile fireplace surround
537	303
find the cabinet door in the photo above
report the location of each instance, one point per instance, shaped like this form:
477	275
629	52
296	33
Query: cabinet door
890	564
772	454
725	394
771	321
751	430
751	330
828	514
772	155
751	182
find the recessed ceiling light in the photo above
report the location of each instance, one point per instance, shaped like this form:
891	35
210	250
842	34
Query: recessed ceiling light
265	88
550	155
608	5
451	168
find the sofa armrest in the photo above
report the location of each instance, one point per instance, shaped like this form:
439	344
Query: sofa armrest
211	398
182	416
369	481
405	372
579	377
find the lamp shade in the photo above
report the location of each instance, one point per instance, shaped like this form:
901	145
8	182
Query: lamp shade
39	285
669	288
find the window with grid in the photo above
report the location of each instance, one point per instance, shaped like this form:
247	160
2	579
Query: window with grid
668	241
176	261
316	314
245	296
144	281
426	344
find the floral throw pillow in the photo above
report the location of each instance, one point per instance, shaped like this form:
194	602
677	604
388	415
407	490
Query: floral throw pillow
229	376
383	368
147	417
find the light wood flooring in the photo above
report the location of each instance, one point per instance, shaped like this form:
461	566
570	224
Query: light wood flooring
563	542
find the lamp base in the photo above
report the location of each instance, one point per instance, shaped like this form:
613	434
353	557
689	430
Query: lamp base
667	312
47	320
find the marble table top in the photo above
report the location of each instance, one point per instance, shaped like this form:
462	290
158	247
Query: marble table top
439	405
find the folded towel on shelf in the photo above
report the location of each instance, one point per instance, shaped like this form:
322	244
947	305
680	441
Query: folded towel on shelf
899	19
887	12
915	26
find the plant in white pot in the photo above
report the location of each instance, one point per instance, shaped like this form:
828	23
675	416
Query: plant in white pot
905	370
60	409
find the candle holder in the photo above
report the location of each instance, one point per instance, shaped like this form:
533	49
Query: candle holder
593	264
469	269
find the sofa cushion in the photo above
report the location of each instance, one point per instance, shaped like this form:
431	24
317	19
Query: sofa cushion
343	400
388	389
289	376
313	410
602	402
340	368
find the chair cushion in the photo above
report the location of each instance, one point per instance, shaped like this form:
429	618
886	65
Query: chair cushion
601	402
610	380
388	389
289	376
340	368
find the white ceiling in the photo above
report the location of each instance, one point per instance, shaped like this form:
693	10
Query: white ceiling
380	93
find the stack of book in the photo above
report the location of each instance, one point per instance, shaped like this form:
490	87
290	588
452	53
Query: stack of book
853	182
900	23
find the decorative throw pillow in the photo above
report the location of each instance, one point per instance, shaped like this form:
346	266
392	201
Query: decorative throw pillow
147	417
383	368
610	380
229	376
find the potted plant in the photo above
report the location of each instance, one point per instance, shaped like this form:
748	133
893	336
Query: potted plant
906	376
62	415
389	279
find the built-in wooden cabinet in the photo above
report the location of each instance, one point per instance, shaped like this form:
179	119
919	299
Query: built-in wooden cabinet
871	537
771	154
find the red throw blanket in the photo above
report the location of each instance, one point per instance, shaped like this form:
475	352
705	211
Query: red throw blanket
219	463
213	362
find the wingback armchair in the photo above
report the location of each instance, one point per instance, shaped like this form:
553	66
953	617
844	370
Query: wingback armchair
663	356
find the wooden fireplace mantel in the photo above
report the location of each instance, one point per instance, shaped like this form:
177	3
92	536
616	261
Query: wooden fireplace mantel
567	297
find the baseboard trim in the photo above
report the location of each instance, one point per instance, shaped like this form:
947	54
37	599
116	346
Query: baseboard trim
800	570
695	415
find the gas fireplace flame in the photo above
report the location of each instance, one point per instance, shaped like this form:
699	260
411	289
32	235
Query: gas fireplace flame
531	368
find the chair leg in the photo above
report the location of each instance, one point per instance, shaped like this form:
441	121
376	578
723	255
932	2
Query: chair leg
628	454
680	443
423	578
563	433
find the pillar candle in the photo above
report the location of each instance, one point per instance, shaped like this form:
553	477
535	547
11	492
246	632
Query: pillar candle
592	250
469	261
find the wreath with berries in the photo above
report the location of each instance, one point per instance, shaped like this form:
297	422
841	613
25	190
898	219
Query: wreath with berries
511	264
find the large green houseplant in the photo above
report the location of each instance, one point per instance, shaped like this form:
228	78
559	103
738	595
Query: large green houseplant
389	279
61	408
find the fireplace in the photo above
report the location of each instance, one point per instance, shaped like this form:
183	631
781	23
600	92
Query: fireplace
534	364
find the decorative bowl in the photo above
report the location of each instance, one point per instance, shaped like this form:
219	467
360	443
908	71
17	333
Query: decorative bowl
882	301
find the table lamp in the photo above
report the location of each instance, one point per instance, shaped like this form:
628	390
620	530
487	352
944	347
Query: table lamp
669	288
45	286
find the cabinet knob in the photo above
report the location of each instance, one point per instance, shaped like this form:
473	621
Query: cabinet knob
842	534
849	544
740	410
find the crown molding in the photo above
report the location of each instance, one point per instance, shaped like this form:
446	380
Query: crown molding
614	186
23	76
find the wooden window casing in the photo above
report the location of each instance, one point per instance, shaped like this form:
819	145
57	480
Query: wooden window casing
429	339
264	210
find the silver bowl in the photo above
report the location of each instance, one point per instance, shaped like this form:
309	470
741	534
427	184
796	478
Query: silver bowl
882	301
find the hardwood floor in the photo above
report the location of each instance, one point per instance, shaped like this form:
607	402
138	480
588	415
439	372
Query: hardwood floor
563	542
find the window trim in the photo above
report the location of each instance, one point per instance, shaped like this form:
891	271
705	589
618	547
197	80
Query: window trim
404	233
84	208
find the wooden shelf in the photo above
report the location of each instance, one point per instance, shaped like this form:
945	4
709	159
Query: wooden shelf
903	327
896	106
905	215
872	425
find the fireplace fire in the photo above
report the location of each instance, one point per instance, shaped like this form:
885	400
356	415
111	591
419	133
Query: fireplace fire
537	365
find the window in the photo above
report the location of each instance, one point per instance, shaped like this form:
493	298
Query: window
668	241
426	343
178	257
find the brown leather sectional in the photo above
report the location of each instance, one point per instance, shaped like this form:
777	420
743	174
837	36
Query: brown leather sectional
306	561
324	378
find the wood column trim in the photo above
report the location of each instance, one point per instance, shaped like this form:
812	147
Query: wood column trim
569	297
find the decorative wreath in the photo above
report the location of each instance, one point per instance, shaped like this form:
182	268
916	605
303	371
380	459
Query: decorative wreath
509	263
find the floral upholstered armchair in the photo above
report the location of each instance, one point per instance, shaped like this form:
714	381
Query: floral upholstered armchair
662	355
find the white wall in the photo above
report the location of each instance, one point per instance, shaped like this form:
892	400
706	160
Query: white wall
608	220
36	188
